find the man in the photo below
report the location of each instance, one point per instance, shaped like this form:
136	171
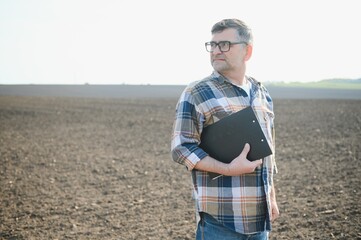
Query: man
242	203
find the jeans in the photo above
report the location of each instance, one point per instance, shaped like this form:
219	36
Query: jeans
210	229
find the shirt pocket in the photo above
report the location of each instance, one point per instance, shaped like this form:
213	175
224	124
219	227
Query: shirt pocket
215	116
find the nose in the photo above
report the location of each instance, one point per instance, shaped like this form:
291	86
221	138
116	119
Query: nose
216	50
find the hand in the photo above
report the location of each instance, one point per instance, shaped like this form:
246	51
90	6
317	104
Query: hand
241	165
274	210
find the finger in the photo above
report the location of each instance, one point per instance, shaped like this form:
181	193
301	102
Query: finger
245	150
272	215
275	214
257	162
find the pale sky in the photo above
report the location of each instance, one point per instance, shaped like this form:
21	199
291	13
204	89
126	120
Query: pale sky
162	41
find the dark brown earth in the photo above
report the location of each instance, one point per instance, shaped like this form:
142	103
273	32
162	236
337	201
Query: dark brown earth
77	168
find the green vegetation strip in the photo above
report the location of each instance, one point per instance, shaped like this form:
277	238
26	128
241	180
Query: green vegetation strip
333	85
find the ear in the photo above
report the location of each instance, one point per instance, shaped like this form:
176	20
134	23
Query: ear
249	49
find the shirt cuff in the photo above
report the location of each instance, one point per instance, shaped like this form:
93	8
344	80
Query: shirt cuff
194	158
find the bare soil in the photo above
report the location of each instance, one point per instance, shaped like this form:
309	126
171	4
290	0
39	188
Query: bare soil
79	168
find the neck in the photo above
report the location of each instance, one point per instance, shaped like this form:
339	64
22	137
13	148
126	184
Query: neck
236	77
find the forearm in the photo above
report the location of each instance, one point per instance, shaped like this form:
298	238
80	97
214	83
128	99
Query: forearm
273	193
210	164
274	207
240	165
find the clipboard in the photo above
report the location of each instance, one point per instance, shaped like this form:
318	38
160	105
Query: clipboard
224	140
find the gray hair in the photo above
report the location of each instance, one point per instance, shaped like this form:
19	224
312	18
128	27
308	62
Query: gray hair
244	32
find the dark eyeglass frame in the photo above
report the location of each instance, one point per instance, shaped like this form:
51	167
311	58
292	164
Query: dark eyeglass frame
219	45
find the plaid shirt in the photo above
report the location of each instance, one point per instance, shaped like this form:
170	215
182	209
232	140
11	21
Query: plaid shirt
241	203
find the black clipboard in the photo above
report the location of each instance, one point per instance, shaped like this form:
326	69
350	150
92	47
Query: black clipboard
224	140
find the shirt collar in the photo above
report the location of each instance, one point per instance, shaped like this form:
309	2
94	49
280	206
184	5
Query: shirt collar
245	87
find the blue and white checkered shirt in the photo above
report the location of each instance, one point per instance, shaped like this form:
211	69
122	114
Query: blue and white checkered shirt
241	203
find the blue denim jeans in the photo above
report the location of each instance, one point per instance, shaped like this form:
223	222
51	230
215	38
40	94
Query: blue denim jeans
210	229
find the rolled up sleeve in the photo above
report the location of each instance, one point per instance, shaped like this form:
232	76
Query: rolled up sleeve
187	128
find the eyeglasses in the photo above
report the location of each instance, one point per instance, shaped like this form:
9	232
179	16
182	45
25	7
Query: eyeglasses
223	46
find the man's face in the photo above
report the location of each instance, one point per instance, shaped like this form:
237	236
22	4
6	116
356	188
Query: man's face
232	60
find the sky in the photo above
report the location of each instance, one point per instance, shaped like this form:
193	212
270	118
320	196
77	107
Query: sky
162	41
